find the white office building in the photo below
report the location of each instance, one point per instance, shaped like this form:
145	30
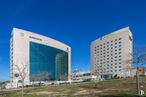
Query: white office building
37	58
111	54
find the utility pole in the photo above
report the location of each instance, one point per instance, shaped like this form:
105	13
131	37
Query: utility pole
137	82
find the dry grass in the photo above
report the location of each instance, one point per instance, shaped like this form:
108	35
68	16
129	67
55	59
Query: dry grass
109	88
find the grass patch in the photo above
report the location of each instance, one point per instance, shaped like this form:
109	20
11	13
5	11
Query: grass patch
109	88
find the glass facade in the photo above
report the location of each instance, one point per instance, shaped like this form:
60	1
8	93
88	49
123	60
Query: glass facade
47	63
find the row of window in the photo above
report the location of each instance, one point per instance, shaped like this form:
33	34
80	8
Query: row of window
100	55
107	50
109	71
108	55
108	67
100	49
101	60
109	42
108	64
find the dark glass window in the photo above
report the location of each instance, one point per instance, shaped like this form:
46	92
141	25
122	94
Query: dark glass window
130	38
48	62
120	42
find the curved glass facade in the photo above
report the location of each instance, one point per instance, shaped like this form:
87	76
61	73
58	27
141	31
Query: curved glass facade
47	63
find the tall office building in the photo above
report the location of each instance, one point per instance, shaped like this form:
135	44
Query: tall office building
111	54
36	57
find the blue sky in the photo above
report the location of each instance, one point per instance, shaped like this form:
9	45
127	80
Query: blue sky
74	22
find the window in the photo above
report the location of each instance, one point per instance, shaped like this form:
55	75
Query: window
130	38
120	38
55	66
115	39
120	45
